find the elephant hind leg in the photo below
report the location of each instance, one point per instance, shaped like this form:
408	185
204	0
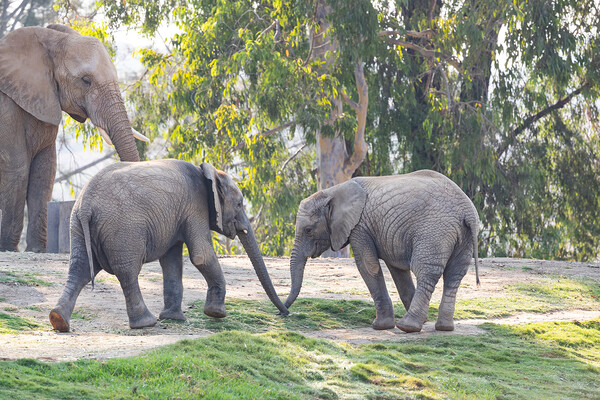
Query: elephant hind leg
79	276
453	275
172	267
428	276
138	313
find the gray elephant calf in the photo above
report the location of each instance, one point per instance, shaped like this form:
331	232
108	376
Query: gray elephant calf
133	213
420	222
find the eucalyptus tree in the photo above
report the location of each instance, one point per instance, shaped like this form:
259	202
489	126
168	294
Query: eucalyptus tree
18	13
501	96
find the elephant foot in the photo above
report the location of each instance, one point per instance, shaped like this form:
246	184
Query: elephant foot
58	322
409	324
36	249
176	315
384	323
145	321
384	319
215	310
444	325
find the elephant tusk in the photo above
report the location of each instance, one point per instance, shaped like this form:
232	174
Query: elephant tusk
139	136
105	135
245	231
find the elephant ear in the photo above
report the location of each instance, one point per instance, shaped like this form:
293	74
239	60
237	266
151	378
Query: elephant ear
26	74
345	208
215	194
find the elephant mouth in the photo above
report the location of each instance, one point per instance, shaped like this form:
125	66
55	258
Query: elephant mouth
320	246
78	118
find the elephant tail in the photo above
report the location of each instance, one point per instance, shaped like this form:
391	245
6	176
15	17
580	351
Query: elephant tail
85	226
473	225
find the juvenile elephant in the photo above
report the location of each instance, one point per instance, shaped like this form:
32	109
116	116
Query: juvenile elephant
44	71
420	222
133	213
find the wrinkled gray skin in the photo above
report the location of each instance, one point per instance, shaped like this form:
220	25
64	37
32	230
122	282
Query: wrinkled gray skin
44	71
133	213
420	222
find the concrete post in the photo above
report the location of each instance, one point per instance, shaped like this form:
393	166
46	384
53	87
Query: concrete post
58	222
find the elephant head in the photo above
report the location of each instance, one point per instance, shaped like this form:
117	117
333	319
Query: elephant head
227	216
325	220
46	70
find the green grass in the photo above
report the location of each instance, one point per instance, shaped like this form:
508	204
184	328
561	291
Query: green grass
531	361
25	278
12	324
551	294
306	315
310	314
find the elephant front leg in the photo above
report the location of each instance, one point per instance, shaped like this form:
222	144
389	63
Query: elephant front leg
427	278
138	313
39	193
370	270
404	284
13	192
172	267
208	265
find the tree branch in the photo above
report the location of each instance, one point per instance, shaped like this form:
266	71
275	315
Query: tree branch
300	150
360	146
512	136
67	175
427	53
265	133
269	28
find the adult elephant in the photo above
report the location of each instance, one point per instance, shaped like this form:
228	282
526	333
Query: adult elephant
420	222
133	213
44	71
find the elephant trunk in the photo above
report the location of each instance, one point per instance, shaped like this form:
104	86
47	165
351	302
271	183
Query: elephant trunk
111	116
297	264
249	242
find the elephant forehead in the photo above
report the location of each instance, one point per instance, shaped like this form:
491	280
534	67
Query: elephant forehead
90	56
313	204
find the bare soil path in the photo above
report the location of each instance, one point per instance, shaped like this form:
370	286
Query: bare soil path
33	283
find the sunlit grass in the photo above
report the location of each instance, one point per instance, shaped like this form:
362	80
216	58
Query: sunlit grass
13	324
529	362
23	278
306	315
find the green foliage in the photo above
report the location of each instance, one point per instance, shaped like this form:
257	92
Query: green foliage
507	105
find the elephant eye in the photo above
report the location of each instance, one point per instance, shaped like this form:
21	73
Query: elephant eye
308	230
86	79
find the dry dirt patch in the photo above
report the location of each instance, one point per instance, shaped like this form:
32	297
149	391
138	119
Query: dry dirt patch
101	330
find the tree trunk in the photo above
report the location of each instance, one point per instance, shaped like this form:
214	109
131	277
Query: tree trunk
334	164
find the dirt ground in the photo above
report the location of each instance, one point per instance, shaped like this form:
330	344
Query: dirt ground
104	332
